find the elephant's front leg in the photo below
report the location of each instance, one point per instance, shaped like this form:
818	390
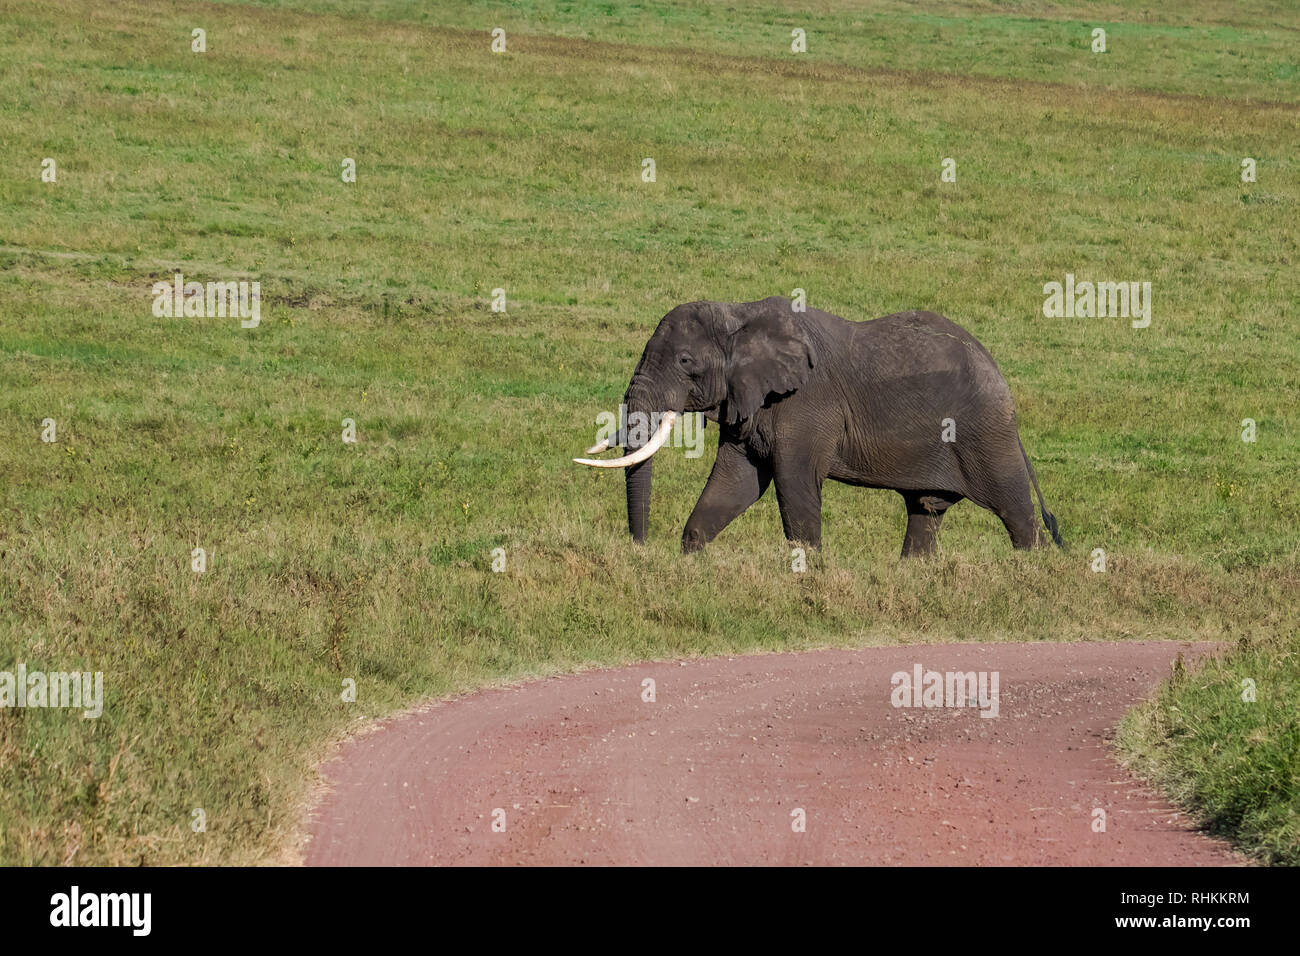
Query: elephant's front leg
735	483
799	494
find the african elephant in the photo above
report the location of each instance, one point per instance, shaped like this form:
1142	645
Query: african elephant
910	402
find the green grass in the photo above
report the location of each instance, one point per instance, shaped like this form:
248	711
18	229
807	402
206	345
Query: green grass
1223	738
476	171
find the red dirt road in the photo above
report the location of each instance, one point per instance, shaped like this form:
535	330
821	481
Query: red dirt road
586	771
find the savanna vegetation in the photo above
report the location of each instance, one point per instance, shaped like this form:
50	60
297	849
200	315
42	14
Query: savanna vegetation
372	562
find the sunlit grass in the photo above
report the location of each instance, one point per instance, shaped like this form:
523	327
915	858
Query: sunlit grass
372	561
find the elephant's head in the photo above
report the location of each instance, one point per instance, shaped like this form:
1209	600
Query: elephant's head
723	359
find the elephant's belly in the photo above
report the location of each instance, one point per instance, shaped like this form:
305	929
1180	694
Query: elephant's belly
865	479
859	474
920	473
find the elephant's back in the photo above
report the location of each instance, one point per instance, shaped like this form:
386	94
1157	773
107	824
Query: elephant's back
924	405
930	348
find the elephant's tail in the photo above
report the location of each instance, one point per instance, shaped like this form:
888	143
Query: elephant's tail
1049	519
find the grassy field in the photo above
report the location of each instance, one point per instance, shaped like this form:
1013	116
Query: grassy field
476	171
1223	738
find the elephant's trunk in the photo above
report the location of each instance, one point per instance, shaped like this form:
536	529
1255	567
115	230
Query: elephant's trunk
638	500
644	409
638	401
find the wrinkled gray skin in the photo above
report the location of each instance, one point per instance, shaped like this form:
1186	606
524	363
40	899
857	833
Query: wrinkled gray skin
805	396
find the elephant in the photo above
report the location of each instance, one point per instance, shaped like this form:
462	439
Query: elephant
909	402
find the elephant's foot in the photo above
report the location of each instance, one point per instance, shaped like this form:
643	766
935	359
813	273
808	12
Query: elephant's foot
693	541
919	549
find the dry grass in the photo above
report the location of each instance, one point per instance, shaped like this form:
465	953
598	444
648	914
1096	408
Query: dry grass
371	561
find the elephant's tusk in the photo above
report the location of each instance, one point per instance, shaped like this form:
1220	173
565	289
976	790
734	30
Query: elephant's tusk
596	449
641	454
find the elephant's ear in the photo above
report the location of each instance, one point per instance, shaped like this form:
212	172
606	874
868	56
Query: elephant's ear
770	354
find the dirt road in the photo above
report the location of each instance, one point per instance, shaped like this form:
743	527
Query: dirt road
733	754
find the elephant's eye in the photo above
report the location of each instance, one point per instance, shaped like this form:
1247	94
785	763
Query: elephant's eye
684	359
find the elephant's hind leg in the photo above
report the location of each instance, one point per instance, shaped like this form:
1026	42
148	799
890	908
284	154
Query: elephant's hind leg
1014	506
924	515
1002	485
1022	526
